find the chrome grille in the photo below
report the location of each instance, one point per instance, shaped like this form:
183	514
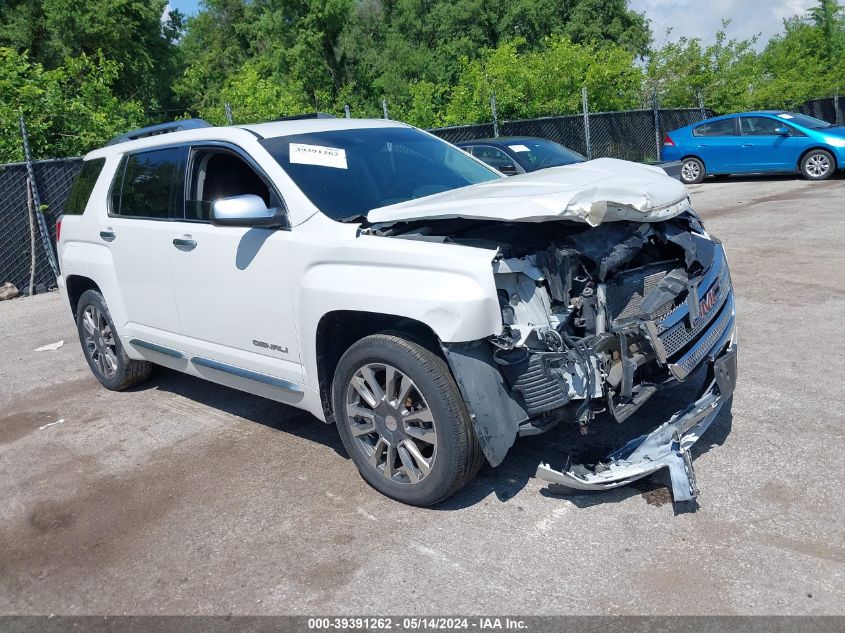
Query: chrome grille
678	335
717	331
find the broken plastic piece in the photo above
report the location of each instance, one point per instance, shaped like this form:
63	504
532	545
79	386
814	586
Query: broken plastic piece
667	446
51	347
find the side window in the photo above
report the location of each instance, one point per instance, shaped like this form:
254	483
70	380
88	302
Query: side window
151	185
759	126
83	186
219	174
725	127
494	157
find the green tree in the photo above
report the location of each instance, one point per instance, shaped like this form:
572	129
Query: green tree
544	82
69	110
128	32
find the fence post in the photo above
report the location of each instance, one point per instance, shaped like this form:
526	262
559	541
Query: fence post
656	108
384	108
42	223
32	261
228	108
495	116
836	111
700	104
346	111
585	108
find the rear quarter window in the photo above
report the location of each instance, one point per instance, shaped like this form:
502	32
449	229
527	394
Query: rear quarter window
149	184
83	186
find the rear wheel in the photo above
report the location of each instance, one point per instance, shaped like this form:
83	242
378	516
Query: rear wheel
102	347
403	421
818	165
692	170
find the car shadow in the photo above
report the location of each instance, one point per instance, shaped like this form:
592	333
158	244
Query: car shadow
839	175
556	446
269	413
564	444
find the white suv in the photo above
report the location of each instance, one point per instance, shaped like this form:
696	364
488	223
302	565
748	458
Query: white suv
388	282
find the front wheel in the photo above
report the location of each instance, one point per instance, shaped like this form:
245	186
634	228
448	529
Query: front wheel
692	171
818	165
403	421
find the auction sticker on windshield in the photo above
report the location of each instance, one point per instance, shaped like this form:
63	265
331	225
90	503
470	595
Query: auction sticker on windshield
519	148
318	155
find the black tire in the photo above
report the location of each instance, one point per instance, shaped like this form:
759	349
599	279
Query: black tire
126	371
818	164
692	171
458	455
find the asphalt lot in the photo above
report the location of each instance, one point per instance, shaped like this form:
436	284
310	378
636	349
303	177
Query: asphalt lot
186	497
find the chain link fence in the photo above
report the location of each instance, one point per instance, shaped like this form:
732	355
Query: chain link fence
630	135
54	179
830	109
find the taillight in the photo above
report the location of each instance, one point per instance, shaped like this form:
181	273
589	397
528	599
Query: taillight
668	141
58	229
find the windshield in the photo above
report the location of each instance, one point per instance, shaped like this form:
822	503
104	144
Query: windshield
805	121
347	173
540	153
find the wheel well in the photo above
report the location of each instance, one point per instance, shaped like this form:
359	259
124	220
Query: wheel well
76	285
338	331
811	149
698	158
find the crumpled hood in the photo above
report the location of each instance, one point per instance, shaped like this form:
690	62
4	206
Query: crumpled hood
601	190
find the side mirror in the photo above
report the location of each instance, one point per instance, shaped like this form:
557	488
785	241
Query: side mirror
782	131
509	169
246	210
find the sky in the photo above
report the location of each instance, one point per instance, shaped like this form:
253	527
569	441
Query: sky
690	18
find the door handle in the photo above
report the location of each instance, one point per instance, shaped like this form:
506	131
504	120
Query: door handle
703	145
185	243
748	144
108	235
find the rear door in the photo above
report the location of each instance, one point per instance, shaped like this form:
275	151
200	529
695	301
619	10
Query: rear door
145	197
717	144
764	150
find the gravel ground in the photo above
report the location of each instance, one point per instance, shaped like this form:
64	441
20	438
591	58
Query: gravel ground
185	497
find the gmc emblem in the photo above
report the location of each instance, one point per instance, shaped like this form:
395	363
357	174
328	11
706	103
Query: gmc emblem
709	300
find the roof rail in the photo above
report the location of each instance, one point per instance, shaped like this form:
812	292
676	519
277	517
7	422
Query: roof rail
162	128
310	115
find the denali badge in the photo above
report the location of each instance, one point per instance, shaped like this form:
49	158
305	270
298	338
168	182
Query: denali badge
270	346
709	300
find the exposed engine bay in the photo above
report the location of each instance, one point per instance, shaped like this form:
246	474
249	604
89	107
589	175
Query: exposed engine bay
595	319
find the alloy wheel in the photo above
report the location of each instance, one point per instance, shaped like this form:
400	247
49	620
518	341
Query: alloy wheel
391	423
818	165
690	171
100	343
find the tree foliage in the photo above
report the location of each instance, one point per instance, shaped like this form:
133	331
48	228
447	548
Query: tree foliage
84	69
68	110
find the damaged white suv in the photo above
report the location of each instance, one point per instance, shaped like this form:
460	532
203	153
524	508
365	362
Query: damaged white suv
388	282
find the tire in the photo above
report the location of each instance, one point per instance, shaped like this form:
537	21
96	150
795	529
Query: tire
425	435
692	171
102	347
818	164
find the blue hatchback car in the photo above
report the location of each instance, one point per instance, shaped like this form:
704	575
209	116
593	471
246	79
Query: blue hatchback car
757	142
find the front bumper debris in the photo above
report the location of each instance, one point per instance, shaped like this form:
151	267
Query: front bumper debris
667	446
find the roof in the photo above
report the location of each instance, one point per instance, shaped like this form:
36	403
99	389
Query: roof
504	140
308	126
235	133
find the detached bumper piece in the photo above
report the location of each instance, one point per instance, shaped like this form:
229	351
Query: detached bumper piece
665	447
